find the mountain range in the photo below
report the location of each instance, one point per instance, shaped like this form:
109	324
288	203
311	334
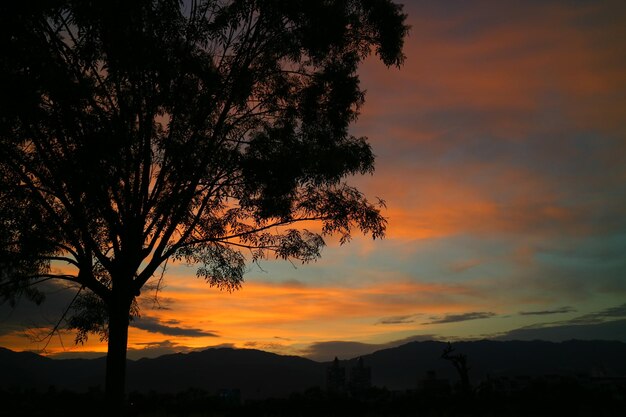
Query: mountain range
259	374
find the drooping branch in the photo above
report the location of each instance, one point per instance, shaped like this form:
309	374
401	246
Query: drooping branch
57	326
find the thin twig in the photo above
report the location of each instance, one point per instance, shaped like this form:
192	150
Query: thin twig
56	327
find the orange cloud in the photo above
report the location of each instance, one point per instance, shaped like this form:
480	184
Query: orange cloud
260	311
460	200
521	59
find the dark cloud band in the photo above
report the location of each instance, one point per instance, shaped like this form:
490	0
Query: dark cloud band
566	309
453	318
154	325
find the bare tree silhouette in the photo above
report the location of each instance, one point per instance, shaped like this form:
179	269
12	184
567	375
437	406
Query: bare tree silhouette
459	361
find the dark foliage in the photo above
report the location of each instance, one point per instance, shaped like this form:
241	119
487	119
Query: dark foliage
135	132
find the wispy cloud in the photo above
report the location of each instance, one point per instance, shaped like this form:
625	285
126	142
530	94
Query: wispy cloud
143	350
566	309
606	324
273	347
169	328
159	344
608	330
398	319
454	318
464	265
159	348
326	351
600	316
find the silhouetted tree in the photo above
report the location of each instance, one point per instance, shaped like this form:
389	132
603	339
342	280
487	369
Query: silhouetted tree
459	361
133	132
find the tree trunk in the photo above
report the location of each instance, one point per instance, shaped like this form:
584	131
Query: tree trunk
115	387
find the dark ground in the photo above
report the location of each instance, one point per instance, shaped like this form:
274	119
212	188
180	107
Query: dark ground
567	398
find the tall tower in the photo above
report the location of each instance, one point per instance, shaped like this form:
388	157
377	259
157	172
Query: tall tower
336	378
360	377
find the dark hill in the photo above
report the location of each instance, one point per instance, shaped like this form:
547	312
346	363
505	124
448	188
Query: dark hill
256	373
261	374
403	366
29	370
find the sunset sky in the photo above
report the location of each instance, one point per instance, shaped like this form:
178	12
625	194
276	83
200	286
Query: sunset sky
501	155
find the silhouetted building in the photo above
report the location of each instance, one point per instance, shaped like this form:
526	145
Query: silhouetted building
433	386
508	384
336	377
230	396
360	377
